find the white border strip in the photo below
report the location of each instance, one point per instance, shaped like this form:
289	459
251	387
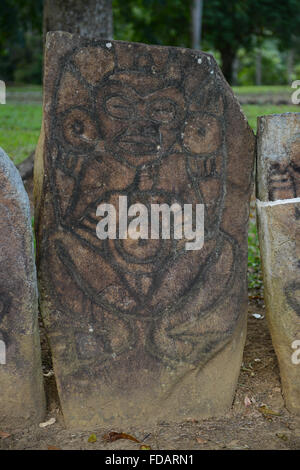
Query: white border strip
277	203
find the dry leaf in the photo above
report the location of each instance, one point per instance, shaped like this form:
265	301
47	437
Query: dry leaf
53	448
282	436
4	435
200	440
247	401
233	443
49	374
267	412
192	420
92	438
258	316
47	423
115	436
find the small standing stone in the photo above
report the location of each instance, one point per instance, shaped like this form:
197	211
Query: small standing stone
278	210
141	329
22	398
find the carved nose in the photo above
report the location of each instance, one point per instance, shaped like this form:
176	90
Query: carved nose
144	129
141	134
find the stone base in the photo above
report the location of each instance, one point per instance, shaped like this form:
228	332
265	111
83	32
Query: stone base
22	399
190	393
279	233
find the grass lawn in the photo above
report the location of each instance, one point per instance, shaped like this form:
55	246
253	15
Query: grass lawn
24	88
261	90
253	110
19	129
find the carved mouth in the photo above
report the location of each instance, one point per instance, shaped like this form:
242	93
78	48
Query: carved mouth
139	143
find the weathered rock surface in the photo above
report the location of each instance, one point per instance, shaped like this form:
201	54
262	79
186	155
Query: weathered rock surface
141	329
21	383
278	209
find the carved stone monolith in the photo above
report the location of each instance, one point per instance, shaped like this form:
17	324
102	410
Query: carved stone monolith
22	398
278	210
141	328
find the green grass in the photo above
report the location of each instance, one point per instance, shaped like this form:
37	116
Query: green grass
24	88
262	90
19	129
252	111
254	264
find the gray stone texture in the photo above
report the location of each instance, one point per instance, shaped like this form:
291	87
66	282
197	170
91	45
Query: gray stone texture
22	398
278	210
141	331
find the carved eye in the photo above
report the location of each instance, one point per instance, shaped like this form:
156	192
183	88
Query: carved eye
202	134
79	129
119	107
162	110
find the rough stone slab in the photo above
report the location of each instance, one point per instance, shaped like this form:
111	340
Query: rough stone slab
278	210
22	398
279	233
278	157
141	332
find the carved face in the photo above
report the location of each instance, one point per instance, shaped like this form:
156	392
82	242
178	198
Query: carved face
284	176
139	124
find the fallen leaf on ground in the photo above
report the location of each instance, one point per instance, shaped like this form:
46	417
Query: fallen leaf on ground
145	447
49	374
232	443
267	412
247	401
92	438
47	423
4	435
53	448
282	436
258	316
115	436
192	420
200	440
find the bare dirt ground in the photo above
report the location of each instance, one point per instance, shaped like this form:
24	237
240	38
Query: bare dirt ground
258	419
246	426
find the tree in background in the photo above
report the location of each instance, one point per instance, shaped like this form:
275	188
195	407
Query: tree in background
197	14
88	18
236	24
20	40
21	26
229	27
164	22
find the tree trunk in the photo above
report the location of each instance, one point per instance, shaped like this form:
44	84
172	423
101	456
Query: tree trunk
235	71
258	68
88	18
290	65
228	58
197	10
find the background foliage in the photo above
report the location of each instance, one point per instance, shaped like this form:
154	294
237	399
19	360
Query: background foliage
233	30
